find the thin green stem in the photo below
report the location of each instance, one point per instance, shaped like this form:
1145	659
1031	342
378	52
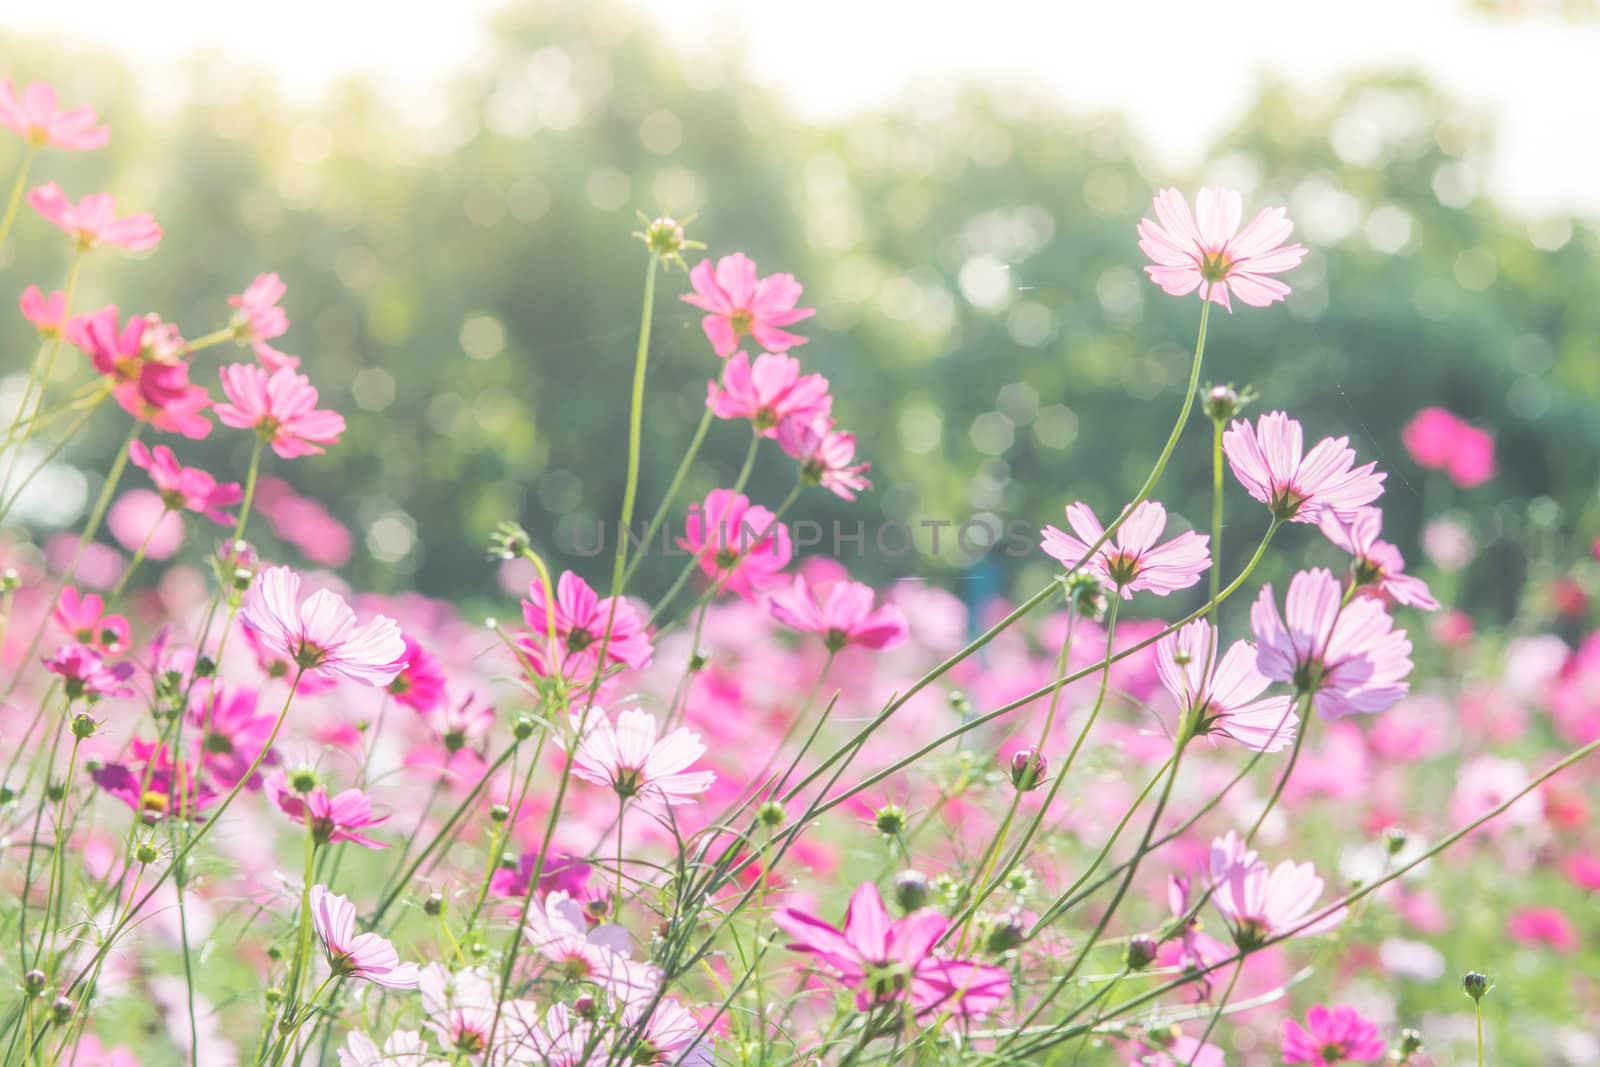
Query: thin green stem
671	494
14	201
1216	513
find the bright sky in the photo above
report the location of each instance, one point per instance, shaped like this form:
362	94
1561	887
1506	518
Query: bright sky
1180	70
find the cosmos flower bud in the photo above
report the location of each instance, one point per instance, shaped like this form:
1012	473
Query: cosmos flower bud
61	1011
1005	933
585	1007
1409	1045
434	905
665	239
1028	769
1476	985
890	820
204	666
10	580
146	852
523	728
33	982
499	813
1085	594
595	909
83	725
303	780
509	541
1394	840
911	890
1141	952
1223	402
7	794
771	814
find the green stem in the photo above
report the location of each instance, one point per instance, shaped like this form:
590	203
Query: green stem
630	491
14	201
133	564
1216	513
671	494
249	489
1222	1004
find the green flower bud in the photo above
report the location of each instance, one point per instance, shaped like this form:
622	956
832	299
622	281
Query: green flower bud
911	890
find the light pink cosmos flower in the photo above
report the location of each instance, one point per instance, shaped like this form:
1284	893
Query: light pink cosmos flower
85	676
740	303
93	220
321	634
403	1048
366	956
1131	560
1332	1036
1378	567
1348	656
826	456
891	961
1206	250
84	617
459	1010
741	546
1223	699
1485	782
632	760
35	117
280	407
1260	904
767	392
672	1035
1298	487
259	319
333	819
846	617
185	488
580	619
48	314
560	933
1167	1049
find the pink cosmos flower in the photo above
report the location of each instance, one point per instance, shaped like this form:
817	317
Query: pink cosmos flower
235	730
628	757
366	956
1259	904
1378	567
580	618
560	933
338	818
827	456
743	547
845	618
421	681
1223	699
321	634
1331	1036
1350	657
1485	782
740	303
1548	927
403	1048
768	392
1206	250
459	1010
672	1035
1131	560
142	358
154	786
85	676
1269	463
35	118
1157	1049
562	872
280	407
890	961
185	488
84	617
48	315
1193	949
1440	440
260	319
93	220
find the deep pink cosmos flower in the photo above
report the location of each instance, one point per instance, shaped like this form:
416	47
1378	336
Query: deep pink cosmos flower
579	622
629	757
93	220
1350	657
85	676
1545	926
740	303
562	872
321	634
48	314
827	456
1378	567
767	392
84	617
235	730
185	488
1258	903
891	961
154	786
1131	560
1223	699
143	358
1298	487
366	956
1440	440
336	818
1206	250
259	319
744	548
846	617
35	117
1331	1036
280	407
421	681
